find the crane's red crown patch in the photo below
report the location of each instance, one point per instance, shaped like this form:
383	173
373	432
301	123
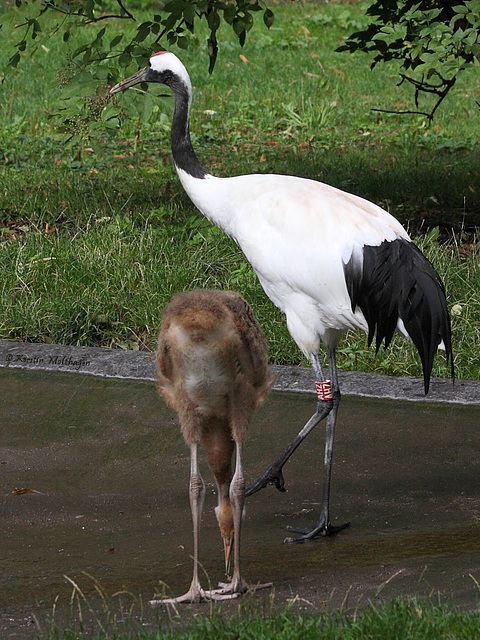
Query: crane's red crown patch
159	53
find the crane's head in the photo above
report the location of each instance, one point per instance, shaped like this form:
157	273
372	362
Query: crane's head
163	67
225	521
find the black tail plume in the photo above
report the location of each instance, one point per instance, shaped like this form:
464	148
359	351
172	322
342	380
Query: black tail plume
397	281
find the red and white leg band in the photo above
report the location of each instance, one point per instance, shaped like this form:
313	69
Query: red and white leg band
324	390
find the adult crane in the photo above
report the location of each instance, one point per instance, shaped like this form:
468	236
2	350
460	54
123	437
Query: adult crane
212	369
330	260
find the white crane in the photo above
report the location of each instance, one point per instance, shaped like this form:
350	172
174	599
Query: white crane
212	369
330	260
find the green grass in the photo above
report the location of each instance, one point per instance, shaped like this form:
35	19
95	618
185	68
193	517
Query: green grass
95	240
395	620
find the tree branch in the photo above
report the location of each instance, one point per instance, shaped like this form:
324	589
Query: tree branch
109	17
125	10
125	15
401	113
423	87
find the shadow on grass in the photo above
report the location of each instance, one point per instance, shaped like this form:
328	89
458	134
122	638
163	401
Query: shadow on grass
421	187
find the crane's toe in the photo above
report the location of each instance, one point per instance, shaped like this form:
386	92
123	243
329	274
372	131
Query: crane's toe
235	588
272	475
225	591
193	596
308	533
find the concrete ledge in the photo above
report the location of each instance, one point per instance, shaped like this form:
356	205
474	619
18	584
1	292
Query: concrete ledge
139	365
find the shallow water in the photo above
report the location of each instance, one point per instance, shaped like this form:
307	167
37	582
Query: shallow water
95	481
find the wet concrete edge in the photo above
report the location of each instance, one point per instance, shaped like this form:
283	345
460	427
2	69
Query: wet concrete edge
140	365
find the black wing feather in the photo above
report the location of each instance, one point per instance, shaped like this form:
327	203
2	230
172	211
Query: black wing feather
397	281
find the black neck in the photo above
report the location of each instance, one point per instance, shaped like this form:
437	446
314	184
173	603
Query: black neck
182	149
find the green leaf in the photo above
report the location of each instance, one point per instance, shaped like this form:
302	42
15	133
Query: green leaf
268	17
14	60
175	5
213	20
229	13
189	13
238	27
248	21
143	31
115	41
182	42
124	59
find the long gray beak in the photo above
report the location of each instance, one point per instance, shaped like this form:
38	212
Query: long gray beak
137	78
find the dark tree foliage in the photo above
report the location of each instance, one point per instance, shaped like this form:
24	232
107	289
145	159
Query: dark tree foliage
81	105
434	41
170	20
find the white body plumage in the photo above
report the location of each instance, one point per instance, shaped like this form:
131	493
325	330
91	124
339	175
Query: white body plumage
270	217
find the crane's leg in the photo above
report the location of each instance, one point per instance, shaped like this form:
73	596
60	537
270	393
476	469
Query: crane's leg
197	497
274	474
237	500
323	526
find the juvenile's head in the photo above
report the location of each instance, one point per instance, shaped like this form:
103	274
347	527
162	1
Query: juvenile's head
225	522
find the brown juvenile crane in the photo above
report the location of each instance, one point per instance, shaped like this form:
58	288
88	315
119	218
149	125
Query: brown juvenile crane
212	369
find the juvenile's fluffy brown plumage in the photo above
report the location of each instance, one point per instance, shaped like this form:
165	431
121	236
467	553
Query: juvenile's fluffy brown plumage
212	369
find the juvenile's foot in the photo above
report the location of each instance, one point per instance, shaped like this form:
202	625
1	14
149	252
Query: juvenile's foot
226	591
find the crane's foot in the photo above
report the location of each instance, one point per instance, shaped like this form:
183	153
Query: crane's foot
198	596
226	591
234	589
273	475
194	595
322	529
